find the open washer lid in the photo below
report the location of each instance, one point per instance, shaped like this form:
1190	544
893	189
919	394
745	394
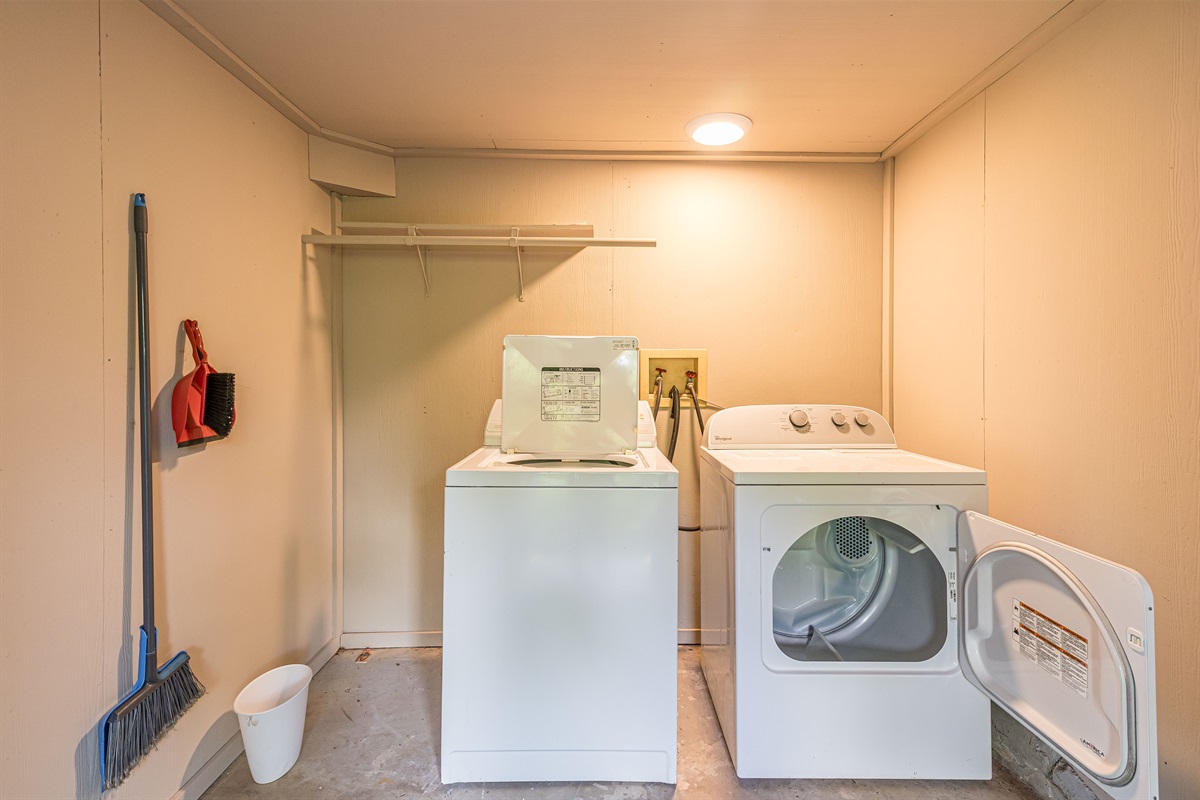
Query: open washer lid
1064	641
570	394
647	433
646	468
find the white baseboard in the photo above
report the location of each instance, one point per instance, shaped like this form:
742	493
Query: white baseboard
212	769
376	639
379	639
327	651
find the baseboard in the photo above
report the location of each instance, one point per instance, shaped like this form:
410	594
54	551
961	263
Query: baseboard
327	651
212	769
377	639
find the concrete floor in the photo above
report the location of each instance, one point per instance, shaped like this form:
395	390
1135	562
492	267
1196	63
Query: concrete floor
373	731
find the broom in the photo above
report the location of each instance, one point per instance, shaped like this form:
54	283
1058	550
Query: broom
160	696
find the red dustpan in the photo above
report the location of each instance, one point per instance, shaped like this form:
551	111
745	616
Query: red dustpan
202	403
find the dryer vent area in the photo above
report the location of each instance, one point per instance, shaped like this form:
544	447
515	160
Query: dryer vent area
859	589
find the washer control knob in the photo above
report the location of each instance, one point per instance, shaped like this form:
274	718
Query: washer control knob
862	419
838	418
799	418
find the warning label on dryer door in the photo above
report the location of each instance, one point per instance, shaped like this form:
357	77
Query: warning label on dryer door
1054	647
570	394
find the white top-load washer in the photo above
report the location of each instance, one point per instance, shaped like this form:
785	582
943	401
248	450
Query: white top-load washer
561	564
858	610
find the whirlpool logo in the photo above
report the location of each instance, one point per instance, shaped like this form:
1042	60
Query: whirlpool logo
1092	747
721	438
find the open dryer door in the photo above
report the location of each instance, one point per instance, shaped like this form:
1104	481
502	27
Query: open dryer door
1063	641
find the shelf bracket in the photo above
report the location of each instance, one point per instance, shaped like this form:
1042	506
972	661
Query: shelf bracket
412	231
515	244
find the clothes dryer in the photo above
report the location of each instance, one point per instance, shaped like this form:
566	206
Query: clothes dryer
859	610
561	570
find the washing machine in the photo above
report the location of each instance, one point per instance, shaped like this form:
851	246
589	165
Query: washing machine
559	657
859	610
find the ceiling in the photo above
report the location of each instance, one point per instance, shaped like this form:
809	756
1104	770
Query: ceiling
845	78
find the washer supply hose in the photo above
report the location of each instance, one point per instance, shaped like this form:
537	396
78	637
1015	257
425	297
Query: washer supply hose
691	390
658	391
675	422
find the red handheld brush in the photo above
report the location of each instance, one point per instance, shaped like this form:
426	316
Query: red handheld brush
202	403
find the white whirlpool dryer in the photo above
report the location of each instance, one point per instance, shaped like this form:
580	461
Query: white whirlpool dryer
560	600
858	610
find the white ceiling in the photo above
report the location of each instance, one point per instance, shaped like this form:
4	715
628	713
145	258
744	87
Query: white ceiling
615	76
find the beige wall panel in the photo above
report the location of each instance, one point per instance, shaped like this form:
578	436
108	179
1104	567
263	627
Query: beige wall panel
244	541
51	401
773	268
1091	346
1093	318
243	526
421	372
937	344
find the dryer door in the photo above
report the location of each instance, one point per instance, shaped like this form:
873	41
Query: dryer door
1062	640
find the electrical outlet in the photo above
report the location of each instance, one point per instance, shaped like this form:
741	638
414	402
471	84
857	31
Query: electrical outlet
677	364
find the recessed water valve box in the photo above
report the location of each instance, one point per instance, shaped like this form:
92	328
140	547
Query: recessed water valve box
675	365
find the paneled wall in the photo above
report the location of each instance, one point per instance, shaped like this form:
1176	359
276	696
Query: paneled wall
1047	239
774	268
101	100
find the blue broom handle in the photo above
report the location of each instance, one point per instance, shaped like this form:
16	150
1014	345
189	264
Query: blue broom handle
151	657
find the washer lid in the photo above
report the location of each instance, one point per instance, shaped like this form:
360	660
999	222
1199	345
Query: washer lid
570	394
647	434
646	468
838	467
1064	641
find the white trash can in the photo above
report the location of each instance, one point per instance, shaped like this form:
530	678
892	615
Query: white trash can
271	714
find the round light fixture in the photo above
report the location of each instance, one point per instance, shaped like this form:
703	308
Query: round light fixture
718	129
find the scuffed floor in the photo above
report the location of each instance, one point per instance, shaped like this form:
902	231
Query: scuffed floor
373	732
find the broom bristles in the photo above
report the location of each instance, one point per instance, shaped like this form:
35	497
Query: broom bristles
135	726
218	402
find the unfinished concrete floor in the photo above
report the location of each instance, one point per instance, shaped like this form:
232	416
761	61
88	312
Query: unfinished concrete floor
373	731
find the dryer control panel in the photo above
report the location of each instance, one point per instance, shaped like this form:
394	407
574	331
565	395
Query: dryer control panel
785	427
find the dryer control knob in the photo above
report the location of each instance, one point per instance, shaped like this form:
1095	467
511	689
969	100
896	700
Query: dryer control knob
862	419
838	418
799	418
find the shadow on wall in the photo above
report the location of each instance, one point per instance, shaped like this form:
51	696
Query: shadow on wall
87	765
224	732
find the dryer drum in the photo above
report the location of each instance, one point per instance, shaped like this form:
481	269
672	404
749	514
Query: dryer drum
868	584
827	578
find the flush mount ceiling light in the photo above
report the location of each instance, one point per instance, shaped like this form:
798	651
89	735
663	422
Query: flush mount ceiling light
718	129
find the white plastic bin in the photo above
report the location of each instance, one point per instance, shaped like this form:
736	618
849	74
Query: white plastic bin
271	713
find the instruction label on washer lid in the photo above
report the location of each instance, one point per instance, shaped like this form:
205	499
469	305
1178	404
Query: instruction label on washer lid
624	344
570	394
1054	647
